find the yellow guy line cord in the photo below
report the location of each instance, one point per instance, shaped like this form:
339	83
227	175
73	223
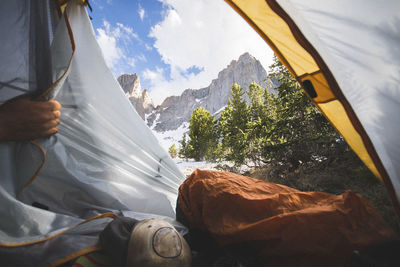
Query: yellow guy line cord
71	36
104	215
37	171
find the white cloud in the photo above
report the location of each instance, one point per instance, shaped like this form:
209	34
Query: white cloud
207	34
126	32
161	87
114	42
107	40
141	12
157	74
131	61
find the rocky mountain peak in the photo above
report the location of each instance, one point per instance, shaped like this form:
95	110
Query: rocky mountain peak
141	100
246	58
130	83
148	103
176	110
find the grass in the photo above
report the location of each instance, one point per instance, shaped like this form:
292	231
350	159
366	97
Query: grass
334	177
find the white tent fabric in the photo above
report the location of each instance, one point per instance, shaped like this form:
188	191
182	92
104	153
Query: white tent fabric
359	42
104	158
26	30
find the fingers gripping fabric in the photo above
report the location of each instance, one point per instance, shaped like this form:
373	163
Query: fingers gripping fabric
104	159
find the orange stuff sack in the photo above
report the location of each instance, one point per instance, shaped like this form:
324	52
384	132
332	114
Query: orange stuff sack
284	226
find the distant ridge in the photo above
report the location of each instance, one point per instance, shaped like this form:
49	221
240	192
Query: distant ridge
175	111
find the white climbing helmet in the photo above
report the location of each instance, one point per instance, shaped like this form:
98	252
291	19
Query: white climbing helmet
156	243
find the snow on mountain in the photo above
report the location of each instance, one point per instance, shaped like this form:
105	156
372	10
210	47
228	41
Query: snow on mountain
168	138
170	120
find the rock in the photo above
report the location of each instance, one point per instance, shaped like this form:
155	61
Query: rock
177	109
142	102
148	103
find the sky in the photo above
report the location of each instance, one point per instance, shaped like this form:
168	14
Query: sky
173	45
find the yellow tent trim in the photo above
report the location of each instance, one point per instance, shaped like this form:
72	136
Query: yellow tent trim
279	34
62	4
291	51
318	80
335	111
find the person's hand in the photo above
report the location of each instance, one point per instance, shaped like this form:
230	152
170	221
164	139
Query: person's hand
25	119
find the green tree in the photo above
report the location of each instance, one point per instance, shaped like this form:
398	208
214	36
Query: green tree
201	133
183	147
172	151
300	130
233	127
261	122
215	151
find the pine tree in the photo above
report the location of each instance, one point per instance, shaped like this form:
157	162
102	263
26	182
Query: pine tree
262	113
201	133
183	147
172	151
233	127
298	125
